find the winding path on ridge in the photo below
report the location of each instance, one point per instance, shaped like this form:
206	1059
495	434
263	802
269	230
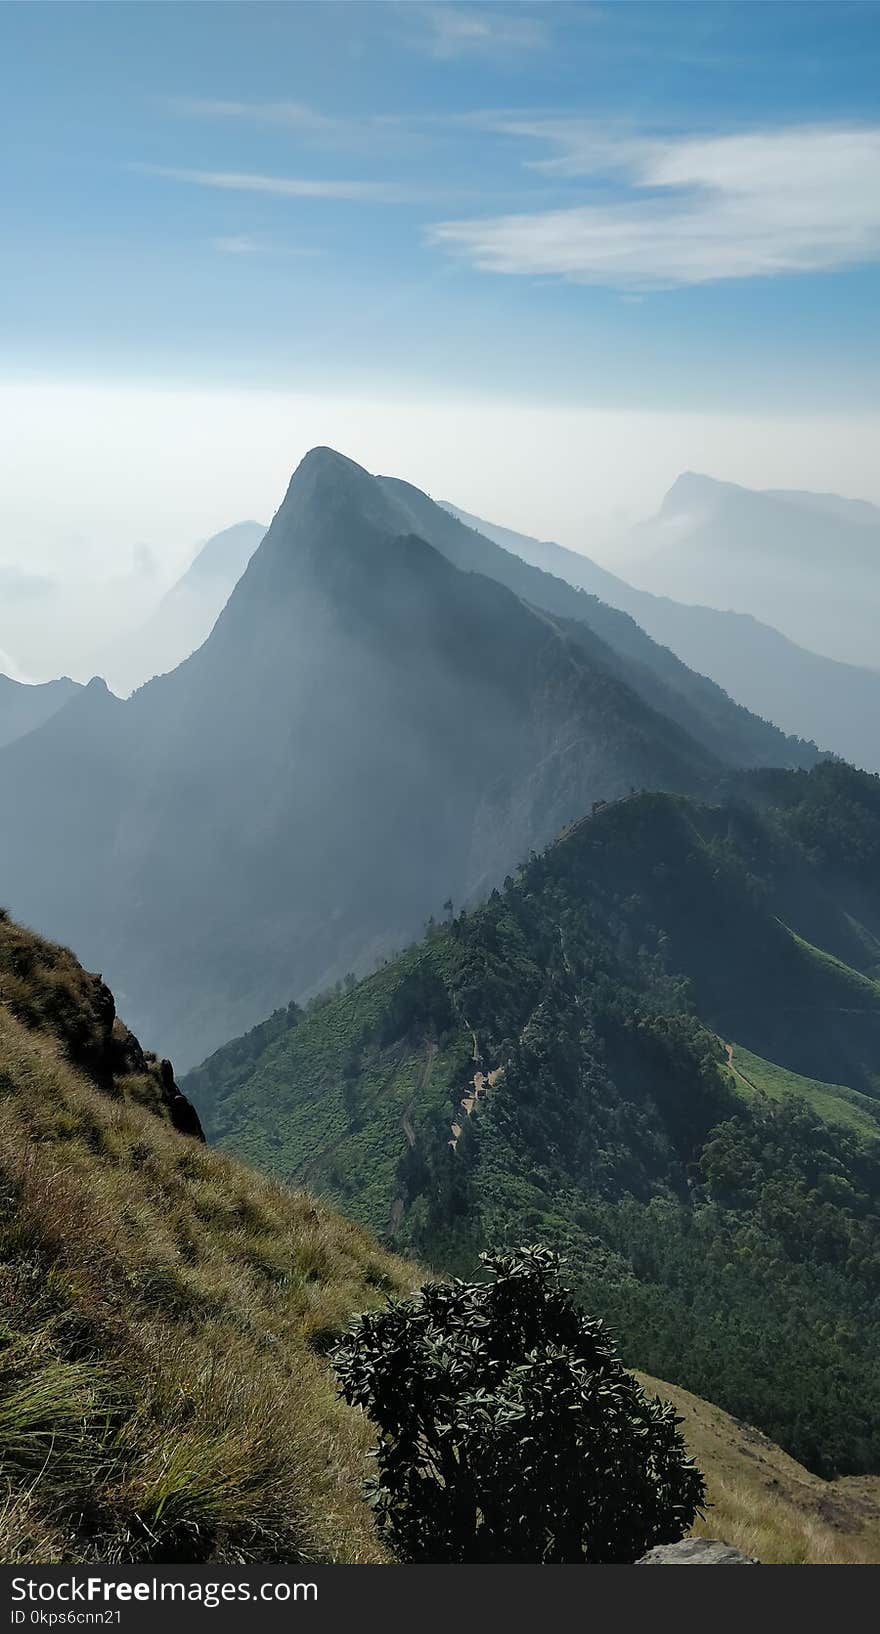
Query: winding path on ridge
729	1048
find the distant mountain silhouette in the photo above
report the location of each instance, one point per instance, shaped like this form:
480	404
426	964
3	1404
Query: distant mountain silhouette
807	564
186	613
660	678
366	731
859	511
24	707
835	704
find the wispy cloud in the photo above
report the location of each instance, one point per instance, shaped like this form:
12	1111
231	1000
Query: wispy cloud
688	210
449	32
296	116
309	125
242	244
292	187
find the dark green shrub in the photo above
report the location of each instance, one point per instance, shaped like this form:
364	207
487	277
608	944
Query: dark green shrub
508	1429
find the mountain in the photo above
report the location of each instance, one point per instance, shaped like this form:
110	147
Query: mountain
835	704
165	1311
661	679
805	564
23	707
367	731
851	510
657	1048
186	613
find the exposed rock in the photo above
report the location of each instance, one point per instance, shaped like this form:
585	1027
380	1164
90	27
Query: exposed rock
696	1552
181	1111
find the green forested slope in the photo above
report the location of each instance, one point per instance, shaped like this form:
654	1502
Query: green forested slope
730	1238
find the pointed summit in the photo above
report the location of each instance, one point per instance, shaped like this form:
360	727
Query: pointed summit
333	513
324	470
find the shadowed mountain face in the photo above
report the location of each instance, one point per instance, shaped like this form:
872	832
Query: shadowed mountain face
836	705
366	732
185	615
24	707
808	564
660	678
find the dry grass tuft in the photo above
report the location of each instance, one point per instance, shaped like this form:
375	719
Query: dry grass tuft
767	1504
162	1314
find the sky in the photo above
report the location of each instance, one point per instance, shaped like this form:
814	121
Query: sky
537	258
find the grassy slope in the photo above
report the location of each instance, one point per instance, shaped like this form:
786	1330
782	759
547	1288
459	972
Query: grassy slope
833	1102
766	1503
165	1313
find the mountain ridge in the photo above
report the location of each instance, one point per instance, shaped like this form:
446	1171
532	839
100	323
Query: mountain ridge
807	569
553	1065
835	704
197	836
25	706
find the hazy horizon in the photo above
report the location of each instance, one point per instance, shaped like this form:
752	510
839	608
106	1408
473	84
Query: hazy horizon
489	249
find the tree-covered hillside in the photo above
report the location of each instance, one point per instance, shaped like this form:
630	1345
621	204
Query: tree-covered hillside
557	1066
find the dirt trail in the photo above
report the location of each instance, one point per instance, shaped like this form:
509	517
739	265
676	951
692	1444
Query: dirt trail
479	1084
737	1072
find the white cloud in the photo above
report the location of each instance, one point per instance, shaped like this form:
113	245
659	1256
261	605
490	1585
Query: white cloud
450	32
292	187
689	210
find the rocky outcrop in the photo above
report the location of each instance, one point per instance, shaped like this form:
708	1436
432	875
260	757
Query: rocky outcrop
46	988
181	1111
696	1552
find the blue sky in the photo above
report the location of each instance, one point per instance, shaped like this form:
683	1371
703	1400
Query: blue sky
610	210
270	194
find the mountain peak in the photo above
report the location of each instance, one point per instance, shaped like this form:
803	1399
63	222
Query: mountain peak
330	500
323	464
331	477
692	489
324	457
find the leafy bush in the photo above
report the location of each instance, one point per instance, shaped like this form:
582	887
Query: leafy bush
508	1429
